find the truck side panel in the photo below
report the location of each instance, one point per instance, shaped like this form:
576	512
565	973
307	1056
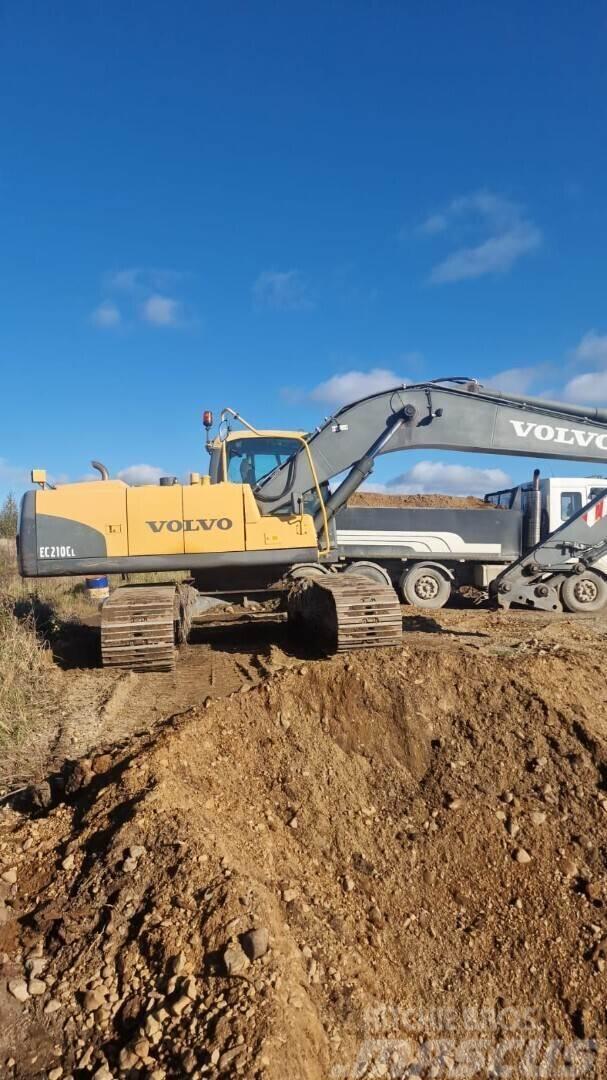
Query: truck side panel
401	532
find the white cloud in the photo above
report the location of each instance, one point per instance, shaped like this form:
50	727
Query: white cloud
500	212
510	235
124	280
352	385
282	291
515	380
435	223
141	279
494	256
143	294
437	477
106	315
161	310
592	347
141	474
587	389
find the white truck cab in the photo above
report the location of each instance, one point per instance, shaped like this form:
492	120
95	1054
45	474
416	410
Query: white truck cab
561	497
564	496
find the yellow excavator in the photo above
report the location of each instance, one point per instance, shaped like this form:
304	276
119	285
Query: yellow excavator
213	530
264	516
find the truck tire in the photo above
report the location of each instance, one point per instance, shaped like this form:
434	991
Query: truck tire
306	572
372	571
584	592
425	587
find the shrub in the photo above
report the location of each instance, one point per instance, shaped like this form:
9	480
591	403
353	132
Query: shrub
9	514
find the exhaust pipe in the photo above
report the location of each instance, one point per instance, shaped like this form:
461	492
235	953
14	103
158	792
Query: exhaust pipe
533	517
101	469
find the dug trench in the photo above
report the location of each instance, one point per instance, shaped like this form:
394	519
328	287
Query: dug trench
389	864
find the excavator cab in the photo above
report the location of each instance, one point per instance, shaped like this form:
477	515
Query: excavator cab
247	457
251	458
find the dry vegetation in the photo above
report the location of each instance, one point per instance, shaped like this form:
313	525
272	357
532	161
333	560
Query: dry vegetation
30	618
25	673
39	619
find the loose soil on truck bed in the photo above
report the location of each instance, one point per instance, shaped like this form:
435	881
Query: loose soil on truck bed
428	502
278	866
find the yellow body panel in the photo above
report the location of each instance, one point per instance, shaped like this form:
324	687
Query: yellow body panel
155	520
100	504
213	518
174	519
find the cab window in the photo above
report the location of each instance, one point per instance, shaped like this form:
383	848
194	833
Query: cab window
250	459
571	502
501	498
595	491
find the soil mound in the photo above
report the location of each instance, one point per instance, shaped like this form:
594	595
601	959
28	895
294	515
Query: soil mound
429	502
343	871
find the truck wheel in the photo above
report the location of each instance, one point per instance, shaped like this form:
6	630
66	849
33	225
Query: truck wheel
425	587
584	592
372	571
306	572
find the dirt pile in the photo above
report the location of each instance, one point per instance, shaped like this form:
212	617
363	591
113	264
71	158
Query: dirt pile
369	866
428	502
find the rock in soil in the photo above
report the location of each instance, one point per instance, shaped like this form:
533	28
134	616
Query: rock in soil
255	943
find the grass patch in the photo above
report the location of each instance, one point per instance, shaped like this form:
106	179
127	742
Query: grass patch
28	683
34	617
45	624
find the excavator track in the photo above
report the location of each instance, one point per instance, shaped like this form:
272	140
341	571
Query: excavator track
346	612
140	625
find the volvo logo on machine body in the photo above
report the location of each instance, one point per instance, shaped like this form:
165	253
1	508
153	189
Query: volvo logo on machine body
564	436
191	525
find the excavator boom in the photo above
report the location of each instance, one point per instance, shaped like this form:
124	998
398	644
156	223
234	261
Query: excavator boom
447	415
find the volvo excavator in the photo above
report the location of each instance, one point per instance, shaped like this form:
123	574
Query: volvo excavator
264	516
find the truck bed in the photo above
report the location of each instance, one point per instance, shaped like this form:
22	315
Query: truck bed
485	535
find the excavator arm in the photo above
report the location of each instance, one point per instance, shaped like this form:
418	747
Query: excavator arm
563	569
447	414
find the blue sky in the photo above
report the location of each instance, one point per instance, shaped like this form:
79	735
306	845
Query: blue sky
276	206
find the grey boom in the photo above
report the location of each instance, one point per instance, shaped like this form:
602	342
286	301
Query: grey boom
454	414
